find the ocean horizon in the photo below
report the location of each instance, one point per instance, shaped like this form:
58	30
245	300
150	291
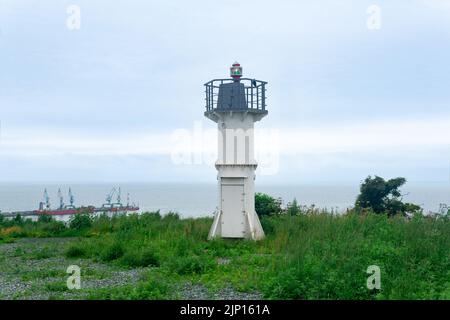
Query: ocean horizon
200	199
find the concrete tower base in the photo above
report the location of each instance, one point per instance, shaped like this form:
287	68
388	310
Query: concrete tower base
236	217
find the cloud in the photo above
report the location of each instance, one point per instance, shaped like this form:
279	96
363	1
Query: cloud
436	4
317	140
119	88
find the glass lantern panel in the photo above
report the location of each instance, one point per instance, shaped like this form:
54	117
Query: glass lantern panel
236	71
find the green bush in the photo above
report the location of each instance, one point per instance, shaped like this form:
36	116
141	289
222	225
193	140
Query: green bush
293	209
384	197
171	216
45	218
76	251
268	224
218	247
112	252
18	220
151	216
103	224
266	205
156	288
191	265
314	255
80	221
43	253
326	257
140	258
52	228
56	286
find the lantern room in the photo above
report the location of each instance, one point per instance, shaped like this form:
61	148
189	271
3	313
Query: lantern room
236	71
236	94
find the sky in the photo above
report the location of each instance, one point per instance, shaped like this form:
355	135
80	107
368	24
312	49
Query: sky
351	93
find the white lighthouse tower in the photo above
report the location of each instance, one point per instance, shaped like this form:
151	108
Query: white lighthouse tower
235	105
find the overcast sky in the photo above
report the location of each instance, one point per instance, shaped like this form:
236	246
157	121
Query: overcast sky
107	102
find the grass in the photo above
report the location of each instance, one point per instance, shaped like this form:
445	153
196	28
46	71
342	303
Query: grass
307	256
154	288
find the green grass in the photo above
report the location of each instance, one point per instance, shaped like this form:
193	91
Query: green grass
43	253
58	286
152	289
42	274
309	256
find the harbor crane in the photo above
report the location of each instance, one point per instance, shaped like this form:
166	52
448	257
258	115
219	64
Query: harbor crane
71	200
109	198
46	200
61	199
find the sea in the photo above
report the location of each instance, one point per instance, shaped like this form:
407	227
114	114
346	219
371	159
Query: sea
199	200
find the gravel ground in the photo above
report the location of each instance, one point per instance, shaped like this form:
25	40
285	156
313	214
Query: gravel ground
199	292
35	269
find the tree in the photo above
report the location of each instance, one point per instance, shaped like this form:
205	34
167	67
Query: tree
294	208
80	221
266	205
45	218
18	220
384	196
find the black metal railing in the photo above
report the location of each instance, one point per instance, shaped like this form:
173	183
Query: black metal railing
255	93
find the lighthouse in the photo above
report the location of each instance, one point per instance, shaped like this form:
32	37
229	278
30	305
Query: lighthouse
235	104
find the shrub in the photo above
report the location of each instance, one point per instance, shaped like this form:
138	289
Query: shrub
45	218
191	265
266	205
56	286
140	258
286	285
149	258
268	225
294	208
18	220
43	253
309	256
156	215
52	228
383	196
218	247
171	216
156	288
80	221
102	224
14	232
112	252
76	251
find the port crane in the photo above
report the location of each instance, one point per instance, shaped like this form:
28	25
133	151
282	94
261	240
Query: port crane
61	199
109	198
67	210
46	201
71	199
